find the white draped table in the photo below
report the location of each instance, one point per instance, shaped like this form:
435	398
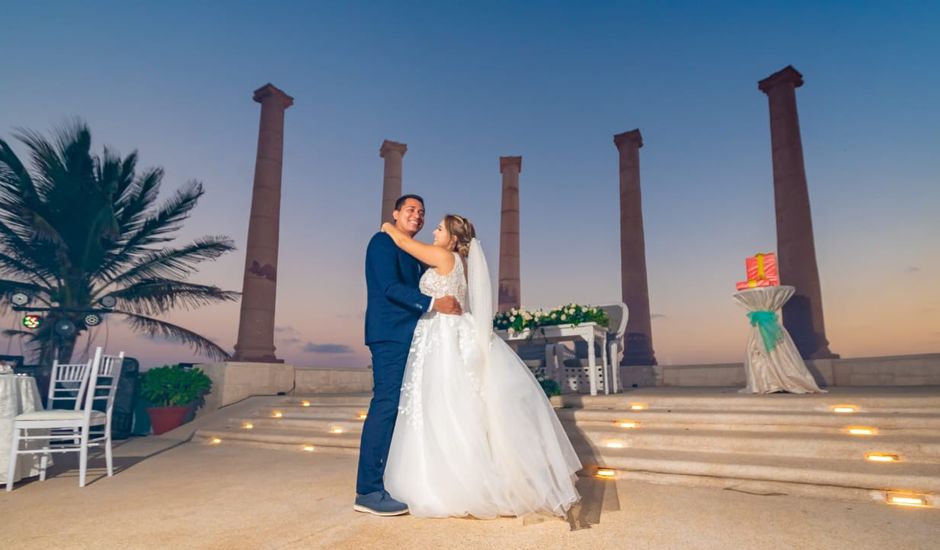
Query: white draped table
772	362
18	394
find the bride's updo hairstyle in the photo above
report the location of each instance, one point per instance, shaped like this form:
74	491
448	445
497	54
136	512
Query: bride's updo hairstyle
461	229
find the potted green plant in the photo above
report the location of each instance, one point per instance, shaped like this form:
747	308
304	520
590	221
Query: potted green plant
173	391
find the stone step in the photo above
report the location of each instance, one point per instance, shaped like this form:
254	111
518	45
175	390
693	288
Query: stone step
880	400
703	468
338	412
916	449
341	399
310	425
296	440
922	423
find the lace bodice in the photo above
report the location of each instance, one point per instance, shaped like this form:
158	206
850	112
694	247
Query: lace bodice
453	284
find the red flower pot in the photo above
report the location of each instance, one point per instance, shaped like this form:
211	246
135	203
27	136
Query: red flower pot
164	419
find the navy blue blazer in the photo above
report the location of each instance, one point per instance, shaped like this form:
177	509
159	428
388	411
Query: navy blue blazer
394	302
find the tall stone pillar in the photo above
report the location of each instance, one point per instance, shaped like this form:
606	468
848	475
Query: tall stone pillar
509	286
796	250
635	291
392	152
259	287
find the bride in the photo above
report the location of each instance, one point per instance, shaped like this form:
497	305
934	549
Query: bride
475	434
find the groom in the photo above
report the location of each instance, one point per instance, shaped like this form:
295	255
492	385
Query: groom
393	308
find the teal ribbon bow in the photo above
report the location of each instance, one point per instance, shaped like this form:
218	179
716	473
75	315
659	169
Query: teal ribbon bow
766	323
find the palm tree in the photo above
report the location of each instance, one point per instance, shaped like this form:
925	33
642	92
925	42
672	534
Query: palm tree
79	227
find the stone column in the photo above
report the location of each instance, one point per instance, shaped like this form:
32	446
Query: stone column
259	287
796	251
392	152
509	286
638	338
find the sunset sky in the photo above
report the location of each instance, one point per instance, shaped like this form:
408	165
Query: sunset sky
462	84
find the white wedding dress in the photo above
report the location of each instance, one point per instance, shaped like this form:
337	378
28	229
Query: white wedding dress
475	434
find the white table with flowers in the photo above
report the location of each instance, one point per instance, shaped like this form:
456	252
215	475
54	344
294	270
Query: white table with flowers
592	333
18	394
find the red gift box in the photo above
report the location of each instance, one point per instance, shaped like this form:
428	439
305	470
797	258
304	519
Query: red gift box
761	271
763	267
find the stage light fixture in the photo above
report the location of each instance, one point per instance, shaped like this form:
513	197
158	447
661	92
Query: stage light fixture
92	320
31	321
19	299
64	327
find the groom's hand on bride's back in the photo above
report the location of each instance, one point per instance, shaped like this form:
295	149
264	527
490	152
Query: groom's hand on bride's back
448	305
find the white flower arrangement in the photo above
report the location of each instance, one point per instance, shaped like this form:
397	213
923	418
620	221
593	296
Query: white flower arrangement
517	320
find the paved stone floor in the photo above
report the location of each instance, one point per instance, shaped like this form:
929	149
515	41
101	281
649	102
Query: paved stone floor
173	494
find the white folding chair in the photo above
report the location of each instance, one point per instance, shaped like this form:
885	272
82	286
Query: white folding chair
68	383
105	371
617	314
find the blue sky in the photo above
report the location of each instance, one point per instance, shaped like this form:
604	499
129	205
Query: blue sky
553	82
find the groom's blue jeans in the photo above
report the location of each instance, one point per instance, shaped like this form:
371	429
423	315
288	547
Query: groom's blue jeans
388	368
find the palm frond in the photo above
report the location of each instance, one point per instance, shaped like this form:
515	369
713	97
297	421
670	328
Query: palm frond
110	167
155	228
170	215
13	174
18	194
155	296
28	256
175	263
133	204
162	329
10	265
49	163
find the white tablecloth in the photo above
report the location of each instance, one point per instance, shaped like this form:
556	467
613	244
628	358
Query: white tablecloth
18	394
781	369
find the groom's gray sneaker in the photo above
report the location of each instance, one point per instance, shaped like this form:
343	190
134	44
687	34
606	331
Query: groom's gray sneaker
380	504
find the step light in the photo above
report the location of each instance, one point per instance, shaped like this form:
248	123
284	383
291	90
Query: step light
615	444
277	414
844	409
627	424
362	415
248	425
336	429
305	403
638	406
308	448
906	499
882	457
216	441
861	430
605	473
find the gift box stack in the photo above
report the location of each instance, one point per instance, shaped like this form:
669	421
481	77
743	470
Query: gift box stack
761	271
